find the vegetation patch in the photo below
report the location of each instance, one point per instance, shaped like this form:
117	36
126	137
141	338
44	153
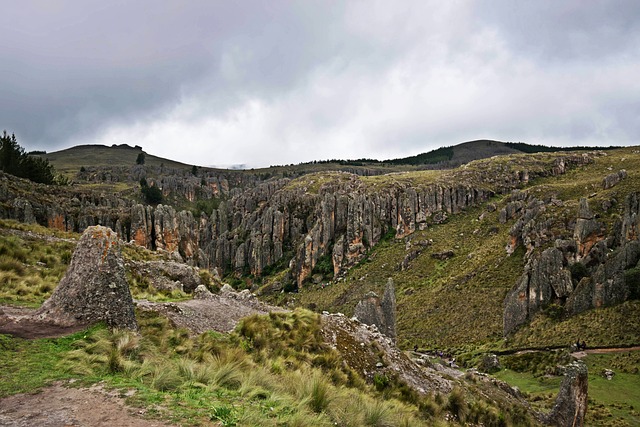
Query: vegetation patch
30	267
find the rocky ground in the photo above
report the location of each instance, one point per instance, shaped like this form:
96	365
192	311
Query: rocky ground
210	312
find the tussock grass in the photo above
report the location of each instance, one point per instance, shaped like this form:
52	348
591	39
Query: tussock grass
226	379
30	267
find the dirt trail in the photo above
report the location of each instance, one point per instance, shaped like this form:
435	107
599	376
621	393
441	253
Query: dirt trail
60	406
583	353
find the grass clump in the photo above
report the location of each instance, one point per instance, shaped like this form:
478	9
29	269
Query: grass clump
30	267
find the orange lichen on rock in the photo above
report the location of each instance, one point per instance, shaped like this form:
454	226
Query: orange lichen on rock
57	222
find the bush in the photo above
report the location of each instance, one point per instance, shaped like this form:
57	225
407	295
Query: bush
152	194
632	280
380	381
578	272
456	404
324	266
554	311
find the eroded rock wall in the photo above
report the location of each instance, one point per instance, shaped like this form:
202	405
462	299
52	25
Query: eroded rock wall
289	223
588	266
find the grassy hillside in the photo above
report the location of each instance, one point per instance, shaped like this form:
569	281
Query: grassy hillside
273	370
70	161
451	304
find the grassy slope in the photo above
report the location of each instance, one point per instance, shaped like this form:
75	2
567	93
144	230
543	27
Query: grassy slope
69	161
29	268
72	159
457	304
452	304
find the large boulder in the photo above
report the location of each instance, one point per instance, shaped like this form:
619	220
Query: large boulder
371	310
544	281
168	275
571	403
94	288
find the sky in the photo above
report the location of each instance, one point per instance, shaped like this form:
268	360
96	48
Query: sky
259	83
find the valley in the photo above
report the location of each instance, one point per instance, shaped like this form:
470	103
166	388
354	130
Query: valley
493	255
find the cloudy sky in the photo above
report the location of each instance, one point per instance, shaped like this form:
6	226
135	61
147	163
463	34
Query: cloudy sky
277	82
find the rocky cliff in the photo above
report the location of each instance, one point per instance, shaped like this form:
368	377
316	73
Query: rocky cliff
371	310
574	262
292	223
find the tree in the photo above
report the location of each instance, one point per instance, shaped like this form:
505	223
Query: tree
15	161
151	193
194	170
140	159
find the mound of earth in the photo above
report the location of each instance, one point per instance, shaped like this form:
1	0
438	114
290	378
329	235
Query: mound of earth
19	322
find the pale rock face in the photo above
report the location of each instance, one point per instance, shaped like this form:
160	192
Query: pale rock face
571	403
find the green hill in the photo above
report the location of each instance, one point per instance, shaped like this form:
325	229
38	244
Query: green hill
72	159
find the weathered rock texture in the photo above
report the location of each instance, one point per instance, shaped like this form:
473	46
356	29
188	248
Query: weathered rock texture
292	223
571	404
372	310
167	275
94	288
613	179
589	266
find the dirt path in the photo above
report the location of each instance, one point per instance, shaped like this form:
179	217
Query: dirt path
584	353
60	406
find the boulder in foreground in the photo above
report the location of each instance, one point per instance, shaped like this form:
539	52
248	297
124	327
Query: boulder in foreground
94	288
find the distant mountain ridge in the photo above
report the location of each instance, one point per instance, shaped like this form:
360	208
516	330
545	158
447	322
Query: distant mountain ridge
465	152
440	158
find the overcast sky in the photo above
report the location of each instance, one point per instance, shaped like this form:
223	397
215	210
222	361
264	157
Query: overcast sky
277	82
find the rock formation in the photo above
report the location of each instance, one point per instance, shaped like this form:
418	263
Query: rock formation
371	310
588	267
571	403
259	222
94	288
167	275
613	179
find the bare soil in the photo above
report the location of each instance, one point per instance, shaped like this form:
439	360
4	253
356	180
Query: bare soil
61	406
583	353
18	321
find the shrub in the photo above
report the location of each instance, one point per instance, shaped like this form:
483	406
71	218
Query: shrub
324	266
456	404
380	381
578	272
632	280
318	393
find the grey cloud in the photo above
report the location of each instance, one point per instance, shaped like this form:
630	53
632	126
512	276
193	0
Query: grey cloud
566	30
74	68
261	81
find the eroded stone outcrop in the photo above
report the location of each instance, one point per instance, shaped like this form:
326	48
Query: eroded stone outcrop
613	179
372	310
167	275
571	403
588	267
94	288
293	224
